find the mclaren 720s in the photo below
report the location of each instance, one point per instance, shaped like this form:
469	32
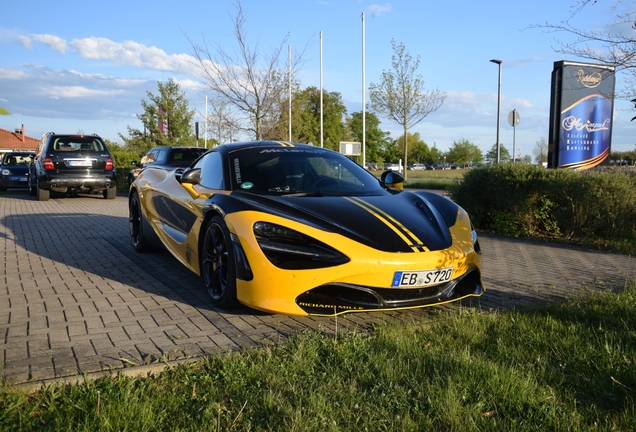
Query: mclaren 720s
301	230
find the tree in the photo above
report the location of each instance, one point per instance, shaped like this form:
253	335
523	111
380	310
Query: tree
252	81
418	149
463	152
221	122
306	118
491	155
377	141
400	95
540	151
167	120
612	47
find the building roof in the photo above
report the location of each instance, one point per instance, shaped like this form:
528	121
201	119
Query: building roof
17	141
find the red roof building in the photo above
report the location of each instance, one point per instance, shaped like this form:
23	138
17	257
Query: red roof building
16	141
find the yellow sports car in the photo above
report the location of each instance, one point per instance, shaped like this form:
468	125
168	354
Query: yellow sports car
301	230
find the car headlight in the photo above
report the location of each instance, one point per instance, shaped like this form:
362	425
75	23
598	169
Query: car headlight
475	240
6	172
290	250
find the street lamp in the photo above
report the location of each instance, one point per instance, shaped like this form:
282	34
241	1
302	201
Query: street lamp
498	104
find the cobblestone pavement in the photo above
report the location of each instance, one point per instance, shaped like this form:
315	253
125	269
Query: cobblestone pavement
76	299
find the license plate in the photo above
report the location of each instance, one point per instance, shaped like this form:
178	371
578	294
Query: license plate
409	279
22	179
80	163
17	178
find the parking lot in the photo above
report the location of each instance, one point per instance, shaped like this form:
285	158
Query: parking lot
78	300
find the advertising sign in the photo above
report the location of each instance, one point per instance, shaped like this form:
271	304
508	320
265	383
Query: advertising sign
581	111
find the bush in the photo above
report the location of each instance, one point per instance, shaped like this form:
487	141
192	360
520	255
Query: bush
596	206
122	160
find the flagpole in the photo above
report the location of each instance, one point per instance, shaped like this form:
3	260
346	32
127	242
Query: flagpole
364	126
321	114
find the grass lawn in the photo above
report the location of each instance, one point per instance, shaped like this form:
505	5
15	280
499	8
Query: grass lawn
427	179
569	366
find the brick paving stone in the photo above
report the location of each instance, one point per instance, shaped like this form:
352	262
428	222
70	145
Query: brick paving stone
65	310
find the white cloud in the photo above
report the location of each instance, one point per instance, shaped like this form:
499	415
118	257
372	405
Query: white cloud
133	54
12	74
25	42
378	10
54	42
78	92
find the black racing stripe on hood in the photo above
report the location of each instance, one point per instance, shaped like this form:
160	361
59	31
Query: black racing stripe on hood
387	222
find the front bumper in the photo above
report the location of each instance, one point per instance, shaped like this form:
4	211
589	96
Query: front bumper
363	283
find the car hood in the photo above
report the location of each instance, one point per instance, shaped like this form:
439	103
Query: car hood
403	222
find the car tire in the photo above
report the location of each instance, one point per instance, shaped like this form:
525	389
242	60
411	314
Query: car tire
31	186
136	224
218	266
110	193
43	194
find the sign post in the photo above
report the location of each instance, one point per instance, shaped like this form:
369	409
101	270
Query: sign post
513	119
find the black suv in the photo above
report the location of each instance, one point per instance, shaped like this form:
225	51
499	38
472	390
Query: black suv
72	163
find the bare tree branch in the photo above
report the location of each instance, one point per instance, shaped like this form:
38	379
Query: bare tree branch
613	46
251	80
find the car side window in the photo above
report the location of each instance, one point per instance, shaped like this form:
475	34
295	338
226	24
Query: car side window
160	155
211	170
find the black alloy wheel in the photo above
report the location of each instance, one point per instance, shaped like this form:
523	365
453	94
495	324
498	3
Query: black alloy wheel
218	265
135	224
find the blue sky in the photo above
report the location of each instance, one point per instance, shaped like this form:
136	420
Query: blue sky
85	65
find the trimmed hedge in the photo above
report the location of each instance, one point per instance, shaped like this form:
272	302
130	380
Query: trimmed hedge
591	207
122	160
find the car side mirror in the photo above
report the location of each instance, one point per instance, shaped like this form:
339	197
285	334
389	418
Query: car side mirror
192	176
392	179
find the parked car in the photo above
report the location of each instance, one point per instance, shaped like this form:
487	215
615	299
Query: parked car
72	163
393	167
14	169
418	167
300	230
167	158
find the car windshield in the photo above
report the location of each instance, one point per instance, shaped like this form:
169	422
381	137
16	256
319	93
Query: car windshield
78	143
300	171
13	159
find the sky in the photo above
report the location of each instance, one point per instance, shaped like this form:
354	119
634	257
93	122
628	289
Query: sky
86	65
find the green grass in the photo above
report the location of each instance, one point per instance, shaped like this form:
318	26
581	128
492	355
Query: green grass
569	366
435	179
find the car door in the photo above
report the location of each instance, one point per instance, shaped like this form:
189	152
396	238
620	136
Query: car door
179	207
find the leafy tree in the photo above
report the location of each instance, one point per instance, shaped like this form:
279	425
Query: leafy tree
400	95
504	154
463	152
418	150
167	120
252	81
377	143
540	151
306	118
